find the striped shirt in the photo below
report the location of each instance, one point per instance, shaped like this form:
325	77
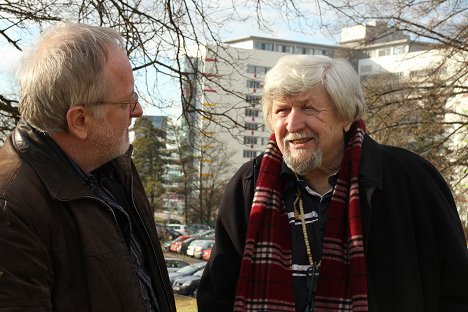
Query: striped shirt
315	215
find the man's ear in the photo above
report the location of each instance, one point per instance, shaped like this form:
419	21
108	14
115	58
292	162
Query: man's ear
77	120
347	125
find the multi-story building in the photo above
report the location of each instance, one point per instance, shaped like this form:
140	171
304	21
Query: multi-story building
378	49
172	201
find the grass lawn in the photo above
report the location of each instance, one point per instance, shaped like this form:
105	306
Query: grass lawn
185	303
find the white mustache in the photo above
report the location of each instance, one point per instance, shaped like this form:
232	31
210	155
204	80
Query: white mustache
298	136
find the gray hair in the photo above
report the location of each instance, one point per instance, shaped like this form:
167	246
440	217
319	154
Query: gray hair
295	74
64	69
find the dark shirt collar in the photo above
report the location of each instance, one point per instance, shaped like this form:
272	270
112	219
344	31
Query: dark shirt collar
293	179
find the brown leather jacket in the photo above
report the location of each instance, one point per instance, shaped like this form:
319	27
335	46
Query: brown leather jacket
60	246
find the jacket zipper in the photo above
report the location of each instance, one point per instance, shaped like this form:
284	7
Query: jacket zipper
116	224
150	241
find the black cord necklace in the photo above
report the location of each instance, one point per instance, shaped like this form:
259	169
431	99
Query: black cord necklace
313	270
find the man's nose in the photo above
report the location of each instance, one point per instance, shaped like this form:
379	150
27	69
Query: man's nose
137	112
296	120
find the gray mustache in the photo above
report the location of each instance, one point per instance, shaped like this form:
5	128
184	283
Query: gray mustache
298	136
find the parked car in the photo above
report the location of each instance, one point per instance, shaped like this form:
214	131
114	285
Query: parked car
174	264
172	234
194	244
204	233
181	228
182	247
187	270
201	247
188	285
207	254
165	233
176	243
166	245
194	228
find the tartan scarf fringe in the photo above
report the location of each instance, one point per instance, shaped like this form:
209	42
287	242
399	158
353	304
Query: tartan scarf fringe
265	278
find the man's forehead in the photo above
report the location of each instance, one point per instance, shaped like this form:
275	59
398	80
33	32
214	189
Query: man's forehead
303	97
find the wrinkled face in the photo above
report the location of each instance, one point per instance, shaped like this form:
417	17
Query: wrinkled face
308	131
110	133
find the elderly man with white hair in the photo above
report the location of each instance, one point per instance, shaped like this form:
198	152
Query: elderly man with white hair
327	219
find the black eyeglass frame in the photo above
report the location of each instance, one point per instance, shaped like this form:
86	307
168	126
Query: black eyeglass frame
132	103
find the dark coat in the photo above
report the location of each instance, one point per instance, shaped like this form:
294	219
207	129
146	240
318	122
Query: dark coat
416	254
61	248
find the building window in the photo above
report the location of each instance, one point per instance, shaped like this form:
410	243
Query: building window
251	69
254	126
398	50
250	126
254	84
249	154
253	99
264	46
284	48
251	112
304	50
250	140
422	73
384	52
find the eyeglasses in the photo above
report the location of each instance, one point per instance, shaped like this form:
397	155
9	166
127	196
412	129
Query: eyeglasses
132	104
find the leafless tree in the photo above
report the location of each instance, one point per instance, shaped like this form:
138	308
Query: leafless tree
414	116
9	116
214	164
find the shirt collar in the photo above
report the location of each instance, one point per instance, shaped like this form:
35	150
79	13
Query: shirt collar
294	178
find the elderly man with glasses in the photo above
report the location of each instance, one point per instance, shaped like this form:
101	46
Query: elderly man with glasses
76	230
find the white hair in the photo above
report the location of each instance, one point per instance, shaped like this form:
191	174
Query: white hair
294	74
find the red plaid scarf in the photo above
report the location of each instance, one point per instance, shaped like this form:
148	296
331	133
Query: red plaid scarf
265	279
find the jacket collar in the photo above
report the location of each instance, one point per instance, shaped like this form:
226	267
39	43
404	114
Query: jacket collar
52	166
370	169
